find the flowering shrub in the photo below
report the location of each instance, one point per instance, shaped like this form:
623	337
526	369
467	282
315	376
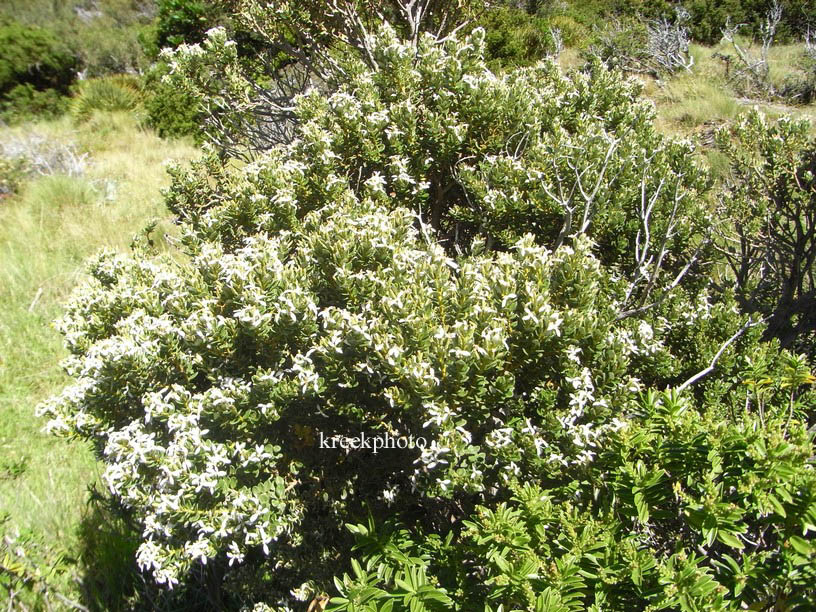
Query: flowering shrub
205	385
474	154
495	265
246	106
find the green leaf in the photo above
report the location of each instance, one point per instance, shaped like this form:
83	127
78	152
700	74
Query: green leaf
642	508
777	506
801	545
729	539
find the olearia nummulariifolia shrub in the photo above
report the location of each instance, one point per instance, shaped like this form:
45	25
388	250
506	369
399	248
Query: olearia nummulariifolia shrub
498	266
434	131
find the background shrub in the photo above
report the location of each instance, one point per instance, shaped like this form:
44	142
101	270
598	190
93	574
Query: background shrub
185	21
770	245
106	36
574	34
36	57
170	111
24	103
708	17
36	72
513	38
12	172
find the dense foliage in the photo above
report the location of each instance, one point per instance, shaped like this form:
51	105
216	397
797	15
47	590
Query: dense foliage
503	266
246	105
35	69
514	39
769	238
684	508
169	111
493	157
708	17
184	21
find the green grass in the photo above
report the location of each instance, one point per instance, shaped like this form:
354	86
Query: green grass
46	233
696	102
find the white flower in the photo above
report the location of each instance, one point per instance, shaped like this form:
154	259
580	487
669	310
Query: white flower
376	182
197	550
573	353
234	554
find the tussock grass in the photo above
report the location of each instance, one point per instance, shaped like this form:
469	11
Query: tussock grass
46	233
110	93
694	103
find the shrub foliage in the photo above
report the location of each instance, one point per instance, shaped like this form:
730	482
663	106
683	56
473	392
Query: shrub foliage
36	70
505	267
770	242
31	55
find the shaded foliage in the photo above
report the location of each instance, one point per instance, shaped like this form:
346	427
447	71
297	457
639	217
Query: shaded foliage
769	238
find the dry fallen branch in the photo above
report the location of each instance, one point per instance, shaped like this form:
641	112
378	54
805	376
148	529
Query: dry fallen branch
755	70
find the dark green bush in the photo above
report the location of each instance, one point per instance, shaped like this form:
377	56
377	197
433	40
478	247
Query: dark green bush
24	102
34	56
514	38
708	17
169	111
184	21
574	33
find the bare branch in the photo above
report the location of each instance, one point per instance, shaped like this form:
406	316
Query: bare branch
748	324
756	69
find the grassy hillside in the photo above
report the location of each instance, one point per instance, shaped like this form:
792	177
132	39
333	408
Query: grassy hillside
690	102
107	35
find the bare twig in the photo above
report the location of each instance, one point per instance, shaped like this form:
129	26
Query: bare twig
668	46
35	300
71	603
756	69
748	324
